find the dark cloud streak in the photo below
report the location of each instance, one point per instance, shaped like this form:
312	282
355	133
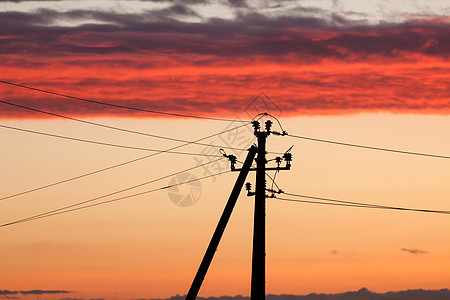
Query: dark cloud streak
248	34
414	251
34	292
362	294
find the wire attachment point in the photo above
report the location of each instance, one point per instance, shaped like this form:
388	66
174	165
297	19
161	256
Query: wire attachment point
222	151
230	157
248	188
256	125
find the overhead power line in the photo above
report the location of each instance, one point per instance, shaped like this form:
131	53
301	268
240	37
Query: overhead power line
59	212
367	147
118	105
103	143
115	127
71	206
117	165
335	202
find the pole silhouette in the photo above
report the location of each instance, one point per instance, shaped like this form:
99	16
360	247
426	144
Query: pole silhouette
258	284
258	280
214	243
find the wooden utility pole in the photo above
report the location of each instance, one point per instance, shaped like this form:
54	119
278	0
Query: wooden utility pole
258	282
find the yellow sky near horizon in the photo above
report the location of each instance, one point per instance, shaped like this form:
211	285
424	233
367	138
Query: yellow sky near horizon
148	247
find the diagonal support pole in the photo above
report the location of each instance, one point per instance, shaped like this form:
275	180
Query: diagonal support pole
214	243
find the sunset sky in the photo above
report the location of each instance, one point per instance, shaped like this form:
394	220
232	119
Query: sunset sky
372	73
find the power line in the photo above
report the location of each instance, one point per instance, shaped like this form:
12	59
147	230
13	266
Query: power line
117	105
367	147
103	143
117	165
329	199
273	180
363	206
318	202
44	215
114	127
113	193
335	202
261	115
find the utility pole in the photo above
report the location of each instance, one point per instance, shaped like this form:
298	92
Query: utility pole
214	243
258	284
258	281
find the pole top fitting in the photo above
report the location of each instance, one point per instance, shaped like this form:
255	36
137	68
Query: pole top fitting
287	157
268	125
230	157
256	125
223	152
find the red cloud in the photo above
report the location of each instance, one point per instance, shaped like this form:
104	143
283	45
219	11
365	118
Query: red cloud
306	65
